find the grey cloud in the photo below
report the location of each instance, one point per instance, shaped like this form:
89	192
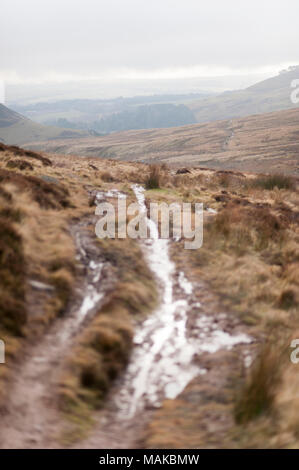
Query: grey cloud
104	36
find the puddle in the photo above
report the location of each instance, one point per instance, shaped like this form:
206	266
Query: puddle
102	195
162	360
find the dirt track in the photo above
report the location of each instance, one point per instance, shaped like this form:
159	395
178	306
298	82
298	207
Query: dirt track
31	418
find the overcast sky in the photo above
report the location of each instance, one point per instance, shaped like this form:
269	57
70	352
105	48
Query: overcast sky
62	40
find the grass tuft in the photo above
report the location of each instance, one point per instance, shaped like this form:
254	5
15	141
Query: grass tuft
258	393
287	299
271	182
19	152
154	178
12	279
107	177
49	196
19	164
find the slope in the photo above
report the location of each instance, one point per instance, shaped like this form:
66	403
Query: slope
15	129
269	95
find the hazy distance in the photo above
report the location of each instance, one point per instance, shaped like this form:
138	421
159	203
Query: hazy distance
63	49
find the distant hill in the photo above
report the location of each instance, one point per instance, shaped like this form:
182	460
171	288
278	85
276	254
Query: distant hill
16	129
269	95
260	143
109	115
147	117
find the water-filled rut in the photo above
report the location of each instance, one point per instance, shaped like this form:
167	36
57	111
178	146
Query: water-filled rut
161	364
31	418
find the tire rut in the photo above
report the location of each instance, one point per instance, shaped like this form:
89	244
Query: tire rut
31	417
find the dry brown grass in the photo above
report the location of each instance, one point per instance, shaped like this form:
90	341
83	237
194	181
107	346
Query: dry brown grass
250	247
28	239
257	395
17	151
19	164
107	177
33	236
13	274
154	178
49	196
271	182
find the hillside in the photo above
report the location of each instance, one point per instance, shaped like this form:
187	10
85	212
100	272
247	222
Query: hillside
269	95
268	142
16	129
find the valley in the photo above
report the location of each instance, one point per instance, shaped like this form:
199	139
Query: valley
259	143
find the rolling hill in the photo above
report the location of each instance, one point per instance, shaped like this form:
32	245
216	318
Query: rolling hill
268	142
109	115
269	95
16	129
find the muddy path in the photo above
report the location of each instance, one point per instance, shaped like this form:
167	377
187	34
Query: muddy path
229	137
170	350
168	353
30	418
